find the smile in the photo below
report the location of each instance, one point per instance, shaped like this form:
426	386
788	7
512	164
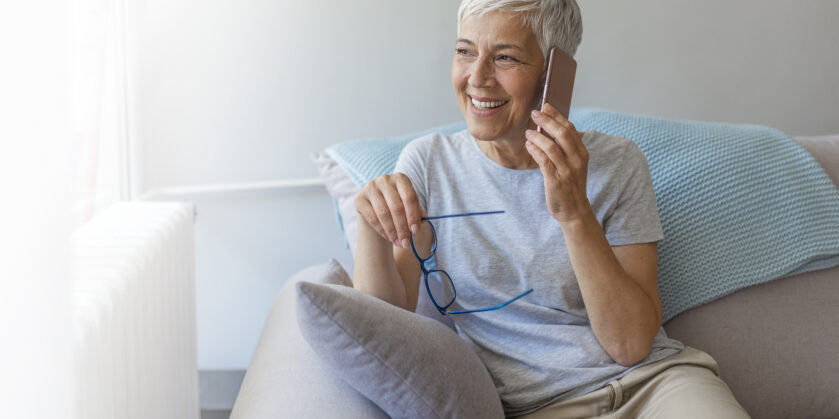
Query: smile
486	105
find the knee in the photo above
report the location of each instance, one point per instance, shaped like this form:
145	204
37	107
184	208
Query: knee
692	392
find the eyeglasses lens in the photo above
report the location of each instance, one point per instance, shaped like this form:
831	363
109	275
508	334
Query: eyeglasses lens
441	287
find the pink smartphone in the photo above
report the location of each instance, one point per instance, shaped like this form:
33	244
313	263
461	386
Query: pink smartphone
559	83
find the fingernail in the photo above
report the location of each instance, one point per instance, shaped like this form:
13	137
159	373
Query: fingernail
528	144
535	113
414	228
405	243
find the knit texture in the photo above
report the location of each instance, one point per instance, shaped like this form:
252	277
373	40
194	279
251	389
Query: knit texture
739	204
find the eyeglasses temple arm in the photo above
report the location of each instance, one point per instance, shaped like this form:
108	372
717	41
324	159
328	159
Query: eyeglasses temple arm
490	308
462	215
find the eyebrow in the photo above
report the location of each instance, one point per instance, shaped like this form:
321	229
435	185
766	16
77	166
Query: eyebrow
494	47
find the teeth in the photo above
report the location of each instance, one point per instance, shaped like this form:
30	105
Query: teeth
487	105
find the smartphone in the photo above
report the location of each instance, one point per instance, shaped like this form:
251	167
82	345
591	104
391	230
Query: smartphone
559	83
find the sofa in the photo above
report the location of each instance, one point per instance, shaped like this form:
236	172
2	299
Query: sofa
775	343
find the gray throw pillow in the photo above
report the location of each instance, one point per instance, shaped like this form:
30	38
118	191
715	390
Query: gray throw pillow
286	378
409	365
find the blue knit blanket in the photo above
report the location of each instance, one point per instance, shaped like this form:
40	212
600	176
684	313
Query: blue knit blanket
739	204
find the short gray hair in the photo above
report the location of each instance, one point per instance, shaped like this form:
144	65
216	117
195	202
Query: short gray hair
555	23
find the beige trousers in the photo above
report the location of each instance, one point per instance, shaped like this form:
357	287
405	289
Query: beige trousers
686	385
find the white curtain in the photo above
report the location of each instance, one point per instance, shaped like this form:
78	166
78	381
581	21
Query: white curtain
63	157
98	116
35	289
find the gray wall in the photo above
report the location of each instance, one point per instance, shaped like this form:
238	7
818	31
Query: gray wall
768	62
243	91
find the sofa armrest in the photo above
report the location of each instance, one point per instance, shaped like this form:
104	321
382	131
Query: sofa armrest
775	344
825	149
286	379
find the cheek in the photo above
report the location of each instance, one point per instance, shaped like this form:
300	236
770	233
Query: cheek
524	88
458	77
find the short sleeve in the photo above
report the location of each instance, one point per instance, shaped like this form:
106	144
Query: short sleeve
635	216
412	162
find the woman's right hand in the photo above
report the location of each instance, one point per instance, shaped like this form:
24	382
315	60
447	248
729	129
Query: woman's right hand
390	206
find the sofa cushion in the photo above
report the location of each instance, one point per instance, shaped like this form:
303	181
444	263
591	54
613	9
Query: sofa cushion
409	365
285	378
775	344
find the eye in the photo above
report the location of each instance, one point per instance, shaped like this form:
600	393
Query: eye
507	59
461	51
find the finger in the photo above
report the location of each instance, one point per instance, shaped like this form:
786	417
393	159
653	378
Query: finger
566	135
547	167
572	143
575	142
413	212
549	125
397	214
380	208
576	154
551	150
554	113
368	214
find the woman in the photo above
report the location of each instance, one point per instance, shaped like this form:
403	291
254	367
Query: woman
579	227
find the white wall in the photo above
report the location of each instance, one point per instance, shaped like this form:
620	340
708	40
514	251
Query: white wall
247	89
241	91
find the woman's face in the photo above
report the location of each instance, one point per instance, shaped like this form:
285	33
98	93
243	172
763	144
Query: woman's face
496	73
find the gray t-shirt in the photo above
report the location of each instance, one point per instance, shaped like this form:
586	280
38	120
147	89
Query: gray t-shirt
539	349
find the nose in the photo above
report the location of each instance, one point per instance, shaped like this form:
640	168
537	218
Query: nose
481	73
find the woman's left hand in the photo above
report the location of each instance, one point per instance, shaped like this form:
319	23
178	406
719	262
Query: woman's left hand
564	164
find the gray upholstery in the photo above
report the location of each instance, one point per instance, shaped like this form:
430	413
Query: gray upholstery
286	379
825	149
775	344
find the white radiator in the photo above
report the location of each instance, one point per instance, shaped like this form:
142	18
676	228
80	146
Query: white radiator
134	307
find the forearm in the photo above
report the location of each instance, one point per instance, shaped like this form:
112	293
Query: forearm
622	315
374	270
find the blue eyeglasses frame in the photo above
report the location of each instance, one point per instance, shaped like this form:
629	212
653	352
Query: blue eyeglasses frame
425	272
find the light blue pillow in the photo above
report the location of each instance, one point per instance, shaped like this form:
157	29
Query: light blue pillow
346	167
365	160
739	204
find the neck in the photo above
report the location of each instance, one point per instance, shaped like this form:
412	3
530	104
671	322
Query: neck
509	151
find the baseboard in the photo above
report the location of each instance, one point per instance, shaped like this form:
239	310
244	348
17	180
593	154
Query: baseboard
215	414
217	390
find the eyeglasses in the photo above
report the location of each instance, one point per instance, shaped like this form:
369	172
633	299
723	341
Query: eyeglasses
444	309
